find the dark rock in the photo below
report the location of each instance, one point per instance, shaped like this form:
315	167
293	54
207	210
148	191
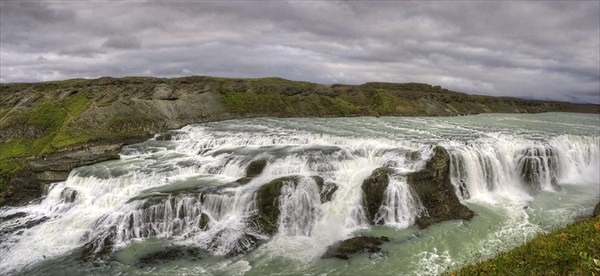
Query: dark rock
596	210
244	180
327	191
256	167
101	246
413	156
29	223
68	195
373	191
167	255
13	216
267	198
342	249
535	164
165	136
204	220
433	187
245	242
243	245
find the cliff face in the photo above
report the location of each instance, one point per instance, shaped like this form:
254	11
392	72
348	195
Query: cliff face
46	129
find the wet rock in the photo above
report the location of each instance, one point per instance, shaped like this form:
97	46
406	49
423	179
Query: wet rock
167	255
13	216
256	167
373	191
30	223
99	247
244	242
243	245
204	220
342	249
537	165
268	202
433	187
244	180
596	210
68	195
327	191
413	156
165	136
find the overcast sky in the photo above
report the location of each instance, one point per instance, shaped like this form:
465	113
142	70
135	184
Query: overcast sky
544	50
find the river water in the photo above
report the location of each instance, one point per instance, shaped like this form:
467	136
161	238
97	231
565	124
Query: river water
177	192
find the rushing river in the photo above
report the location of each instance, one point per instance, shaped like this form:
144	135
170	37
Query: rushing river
176	192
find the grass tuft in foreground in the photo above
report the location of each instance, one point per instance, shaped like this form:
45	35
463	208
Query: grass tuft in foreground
574	250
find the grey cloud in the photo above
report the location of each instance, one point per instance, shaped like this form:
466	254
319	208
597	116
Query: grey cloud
546	50
122	42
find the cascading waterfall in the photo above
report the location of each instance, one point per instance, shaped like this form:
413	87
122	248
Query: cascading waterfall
300	208
189	188
400	207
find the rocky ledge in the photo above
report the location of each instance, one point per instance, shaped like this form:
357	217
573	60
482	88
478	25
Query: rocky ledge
431	185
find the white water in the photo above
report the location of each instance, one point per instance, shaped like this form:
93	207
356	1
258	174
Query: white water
160	189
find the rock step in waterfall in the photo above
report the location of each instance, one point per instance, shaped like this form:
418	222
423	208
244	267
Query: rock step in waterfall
289	204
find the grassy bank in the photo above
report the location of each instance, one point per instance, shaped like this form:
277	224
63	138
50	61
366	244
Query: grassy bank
574	250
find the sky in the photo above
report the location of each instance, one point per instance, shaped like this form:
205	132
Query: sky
542	50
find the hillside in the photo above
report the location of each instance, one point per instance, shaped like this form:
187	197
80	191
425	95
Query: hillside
48	128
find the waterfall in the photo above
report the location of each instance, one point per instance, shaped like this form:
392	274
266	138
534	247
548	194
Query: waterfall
300	208
190	188
503	165
400	207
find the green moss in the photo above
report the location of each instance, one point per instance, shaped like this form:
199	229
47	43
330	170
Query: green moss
386	102
77	104
573	250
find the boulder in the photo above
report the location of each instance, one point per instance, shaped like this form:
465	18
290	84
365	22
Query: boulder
433	187
204	220
373	193
256	167
342	249
68	195
267	198
596	210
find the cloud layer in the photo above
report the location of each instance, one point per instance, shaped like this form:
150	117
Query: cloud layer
544	50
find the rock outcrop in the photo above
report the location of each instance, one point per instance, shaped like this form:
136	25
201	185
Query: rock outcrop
537	165
254	169
433	187
373	193
596	210
268	201
343	249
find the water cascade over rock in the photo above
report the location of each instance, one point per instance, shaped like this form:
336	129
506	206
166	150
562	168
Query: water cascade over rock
433	187
236	196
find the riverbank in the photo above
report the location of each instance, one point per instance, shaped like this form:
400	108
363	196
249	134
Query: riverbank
46	129
572	250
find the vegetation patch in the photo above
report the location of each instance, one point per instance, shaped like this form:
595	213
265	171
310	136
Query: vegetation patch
574	250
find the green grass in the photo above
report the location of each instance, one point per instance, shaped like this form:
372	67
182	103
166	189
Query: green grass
387	102
574	250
